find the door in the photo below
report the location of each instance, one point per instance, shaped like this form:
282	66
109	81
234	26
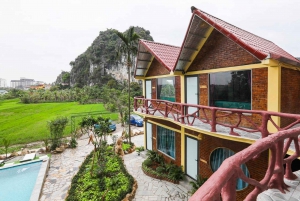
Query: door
148	91
191	157
149	136
192	92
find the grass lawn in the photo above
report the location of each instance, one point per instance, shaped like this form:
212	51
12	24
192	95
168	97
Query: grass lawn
24	123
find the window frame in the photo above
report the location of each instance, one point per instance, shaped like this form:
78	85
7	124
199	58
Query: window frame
157	141
158	95
251	86
225	148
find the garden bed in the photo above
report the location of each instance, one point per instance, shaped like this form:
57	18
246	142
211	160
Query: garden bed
151	173
112	183
155	166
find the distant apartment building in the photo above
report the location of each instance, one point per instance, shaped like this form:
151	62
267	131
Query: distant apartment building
3	82
23	83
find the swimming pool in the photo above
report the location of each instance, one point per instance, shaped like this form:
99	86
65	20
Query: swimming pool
17	182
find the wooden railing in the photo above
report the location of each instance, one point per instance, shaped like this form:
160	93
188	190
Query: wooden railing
222	182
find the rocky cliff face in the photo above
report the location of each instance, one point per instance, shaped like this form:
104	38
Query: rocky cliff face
99	60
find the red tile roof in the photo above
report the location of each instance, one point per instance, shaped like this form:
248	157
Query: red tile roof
259	47
165	54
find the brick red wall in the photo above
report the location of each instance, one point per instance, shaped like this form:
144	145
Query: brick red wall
177	160
259	96
220	52
177	89
290	93
257	168
203	92
153	90
157	69
259	92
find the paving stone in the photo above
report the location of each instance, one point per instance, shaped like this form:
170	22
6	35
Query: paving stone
65	165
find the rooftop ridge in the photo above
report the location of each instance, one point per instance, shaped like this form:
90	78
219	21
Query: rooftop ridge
159	43
233	25
258	46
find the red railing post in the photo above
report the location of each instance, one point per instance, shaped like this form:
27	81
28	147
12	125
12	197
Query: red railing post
135	104
213	121
264	125
182	114
146	106
166	109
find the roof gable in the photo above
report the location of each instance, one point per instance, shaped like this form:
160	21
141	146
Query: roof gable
165	54
257	46
221	52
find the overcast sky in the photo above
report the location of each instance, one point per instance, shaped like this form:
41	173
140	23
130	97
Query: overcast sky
38	38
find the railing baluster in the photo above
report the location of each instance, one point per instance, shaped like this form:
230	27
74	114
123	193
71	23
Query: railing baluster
213	120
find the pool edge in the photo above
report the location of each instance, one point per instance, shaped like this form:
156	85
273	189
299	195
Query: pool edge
37	190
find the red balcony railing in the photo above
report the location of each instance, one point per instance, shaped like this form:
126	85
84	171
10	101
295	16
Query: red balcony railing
234	119
222	182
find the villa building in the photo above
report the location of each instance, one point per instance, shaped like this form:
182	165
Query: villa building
206	100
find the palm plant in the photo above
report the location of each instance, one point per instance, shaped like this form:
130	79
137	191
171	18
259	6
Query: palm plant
6	144
128	48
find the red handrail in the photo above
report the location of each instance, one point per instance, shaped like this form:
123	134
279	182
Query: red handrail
210	115
222	182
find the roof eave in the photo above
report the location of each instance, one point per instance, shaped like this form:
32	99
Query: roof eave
185	37
156	56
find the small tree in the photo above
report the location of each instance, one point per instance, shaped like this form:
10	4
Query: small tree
6	144
100	133
57	127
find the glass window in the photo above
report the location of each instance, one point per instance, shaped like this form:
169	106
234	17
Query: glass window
230	89
166	88
166	141
216	159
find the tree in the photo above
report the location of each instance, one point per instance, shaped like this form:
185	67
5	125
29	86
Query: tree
116	100
57	127
128	48
99	128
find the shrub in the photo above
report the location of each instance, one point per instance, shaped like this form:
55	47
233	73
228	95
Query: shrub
160	169
57	127
197	184
73	142
114	184
148	162
125	147
176	173
155	156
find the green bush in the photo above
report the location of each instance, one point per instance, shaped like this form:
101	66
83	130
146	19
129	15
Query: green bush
197	184
155	156
73	142
164	170
160	169
125	147
148	162
113	184
176	173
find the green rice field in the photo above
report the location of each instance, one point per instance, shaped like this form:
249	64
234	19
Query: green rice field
24	123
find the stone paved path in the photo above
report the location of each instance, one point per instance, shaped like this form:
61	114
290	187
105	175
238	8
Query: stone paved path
62	169
64	166
150	188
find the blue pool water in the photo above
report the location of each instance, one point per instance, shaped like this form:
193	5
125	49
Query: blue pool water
17	183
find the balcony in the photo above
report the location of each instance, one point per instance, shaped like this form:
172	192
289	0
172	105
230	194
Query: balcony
251	124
